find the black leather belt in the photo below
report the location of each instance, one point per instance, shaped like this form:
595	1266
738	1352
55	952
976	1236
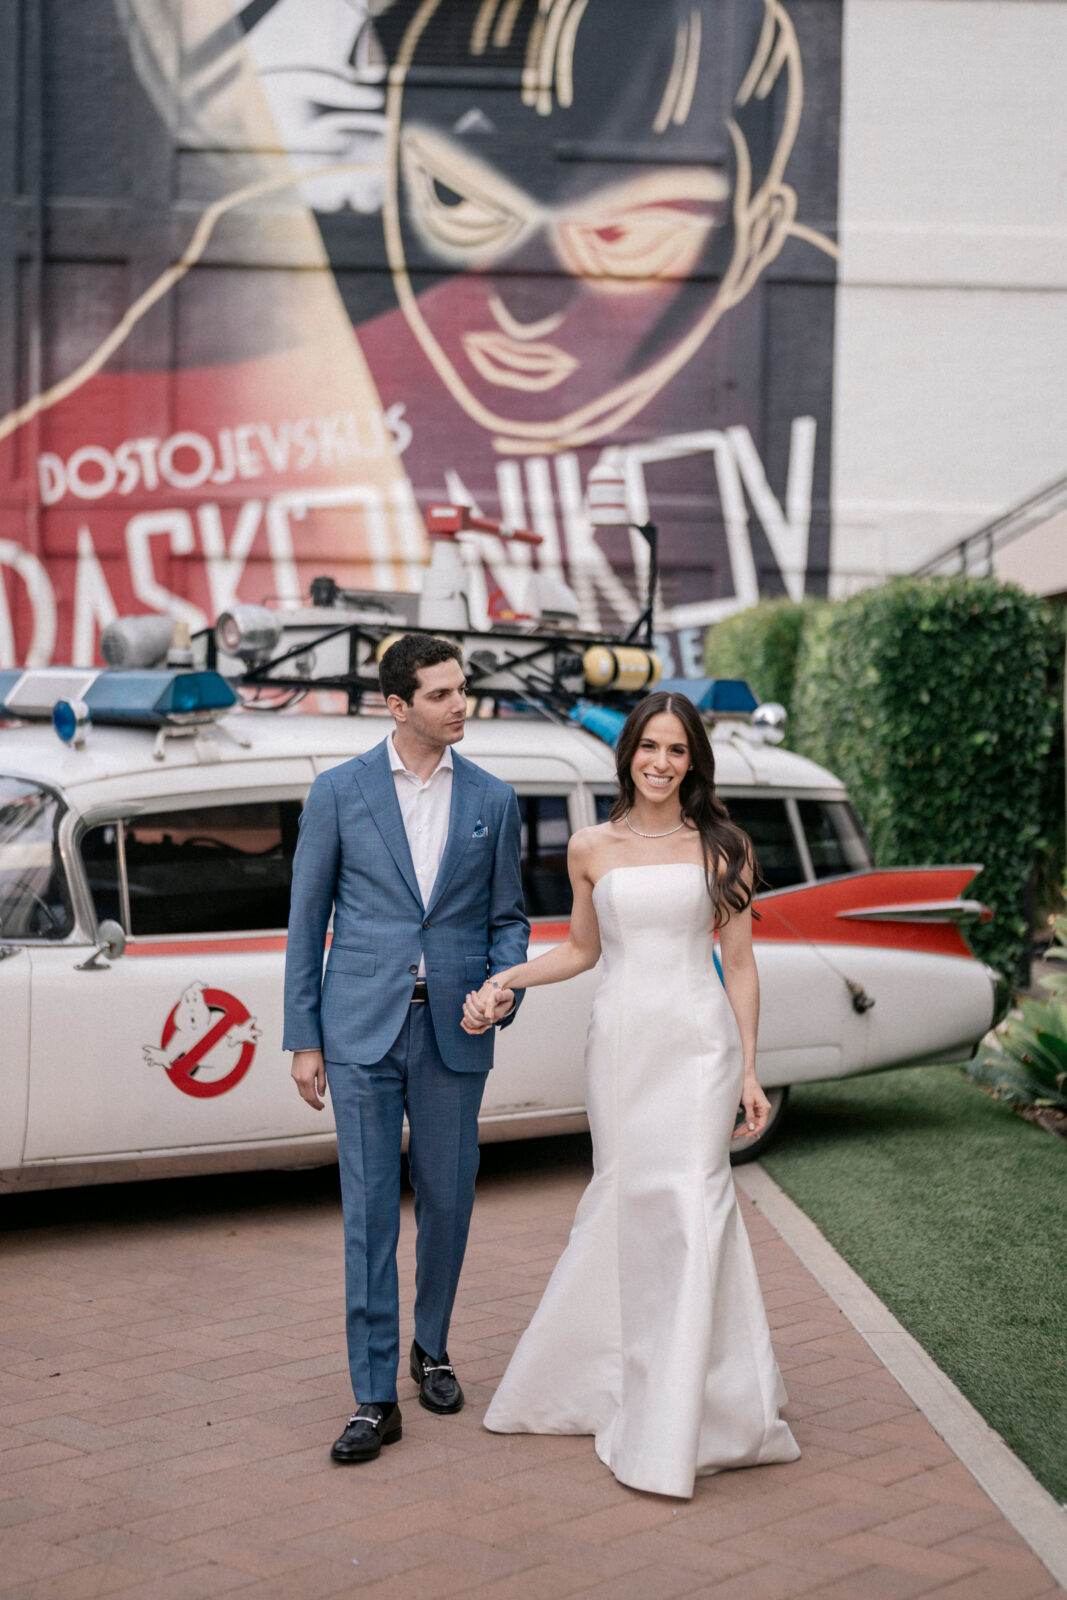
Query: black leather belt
418	994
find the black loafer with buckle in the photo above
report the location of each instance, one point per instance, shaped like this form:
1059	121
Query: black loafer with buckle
439	1388
367	1430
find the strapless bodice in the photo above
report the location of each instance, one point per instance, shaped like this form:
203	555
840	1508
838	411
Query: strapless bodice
658	916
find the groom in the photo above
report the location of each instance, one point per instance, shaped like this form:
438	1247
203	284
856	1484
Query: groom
416	852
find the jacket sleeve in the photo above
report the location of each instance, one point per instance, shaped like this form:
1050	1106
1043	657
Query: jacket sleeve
509	926
315	865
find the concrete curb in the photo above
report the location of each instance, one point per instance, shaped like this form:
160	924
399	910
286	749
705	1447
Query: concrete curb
1030	1509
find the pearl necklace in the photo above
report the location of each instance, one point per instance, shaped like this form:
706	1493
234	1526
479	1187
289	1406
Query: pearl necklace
641	835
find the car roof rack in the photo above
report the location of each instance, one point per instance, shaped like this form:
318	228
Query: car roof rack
542	660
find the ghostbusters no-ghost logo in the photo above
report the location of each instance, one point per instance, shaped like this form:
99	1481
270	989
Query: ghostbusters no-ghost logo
207	1044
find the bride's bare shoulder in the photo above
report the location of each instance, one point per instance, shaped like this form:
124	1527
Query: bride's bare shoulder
592	838
589	845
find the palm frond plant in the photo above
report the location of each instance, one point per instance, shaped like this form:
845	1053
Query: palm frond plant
1024	1061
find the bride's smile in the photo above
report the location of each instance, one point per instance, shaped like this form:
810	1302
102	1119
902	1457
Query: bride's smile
661	760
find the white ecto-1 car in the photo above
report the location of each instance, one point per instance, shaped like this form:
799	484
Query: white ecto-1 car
144	888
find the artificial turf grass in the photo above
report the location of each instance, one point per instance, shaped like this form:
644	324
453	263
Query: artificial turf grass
952	1210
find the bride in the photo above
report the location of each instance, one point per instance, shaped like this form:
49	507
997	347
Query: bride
652	1334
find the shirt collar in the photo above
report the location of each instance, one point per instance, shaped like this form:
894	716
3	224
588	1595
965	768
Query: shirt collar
397	765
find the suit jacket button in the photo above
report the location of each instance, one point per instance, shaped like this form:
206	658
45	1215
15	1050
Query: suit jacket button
414	969
426	924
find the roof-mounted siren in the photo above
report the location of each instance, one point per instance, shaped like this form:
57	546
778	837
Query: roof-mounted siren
445	603
143	643
251	633
770	719
134	644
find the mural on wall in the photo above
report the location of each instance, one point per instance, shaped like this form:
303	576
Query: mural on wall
314	264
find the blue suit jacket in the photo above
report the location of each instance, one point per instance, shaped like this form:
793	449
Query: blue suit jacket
353	857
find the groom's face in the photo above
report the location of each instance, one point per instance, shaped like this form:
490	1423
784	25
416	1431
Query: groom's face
438	711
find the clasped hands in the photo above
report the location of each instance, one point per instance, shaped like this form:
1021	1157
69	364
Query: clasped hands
486	1006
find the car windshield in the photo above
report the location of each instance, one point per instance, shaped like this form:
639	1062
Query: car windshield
34	903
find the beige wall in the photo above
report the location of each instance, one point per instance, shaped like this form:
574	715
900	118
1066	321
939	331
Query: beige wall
951	342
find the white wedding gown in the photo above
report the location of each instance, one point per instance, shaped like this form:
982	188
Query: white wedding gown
652	1334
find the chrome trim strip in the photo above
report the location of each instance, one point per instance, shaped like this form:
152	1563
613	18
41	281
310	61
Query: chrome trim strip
921	911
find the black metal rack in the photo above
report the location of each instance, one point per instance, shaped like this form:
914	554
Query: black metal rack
539	667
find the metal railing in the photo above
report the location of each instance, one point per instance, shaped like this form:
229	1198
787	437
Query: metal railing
974	553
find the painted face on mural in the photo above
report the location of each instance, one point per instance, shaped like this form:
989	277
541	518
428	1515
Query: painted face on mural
569	205
563	315
567	215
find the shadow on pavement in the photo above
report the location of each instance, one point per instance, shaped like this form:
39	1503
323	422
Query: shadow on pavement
173	1200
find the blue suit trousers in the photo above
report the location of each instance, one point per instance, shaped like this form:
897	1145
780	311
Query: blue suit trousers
442	1109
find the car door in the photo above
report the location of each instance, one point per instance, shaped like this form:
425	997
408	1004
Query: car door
540	1060
14	1057
176	1045
35	911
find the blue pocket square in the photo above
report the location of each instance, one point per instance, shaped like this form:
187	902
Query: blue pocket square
480	830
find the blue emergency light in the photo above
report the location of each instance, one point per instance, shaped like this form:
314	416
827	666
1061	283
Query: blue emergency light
149	699
71	697
69	718
723	696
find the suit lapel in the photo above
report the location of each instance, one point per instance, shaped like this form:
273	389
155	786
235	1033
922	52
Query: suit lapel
378	788
467	786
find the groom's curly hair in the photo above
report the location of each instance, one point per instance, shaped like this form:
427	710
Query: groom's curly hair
398	670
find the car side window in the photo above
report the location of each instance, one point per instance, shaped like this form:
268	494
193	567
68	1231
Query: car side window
546	832
34	898
100	861
209	869
836	842
604	803
768	825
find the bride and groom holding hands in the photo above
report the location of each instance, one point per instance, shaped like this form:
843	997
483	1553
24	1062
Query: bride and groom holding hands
651	1334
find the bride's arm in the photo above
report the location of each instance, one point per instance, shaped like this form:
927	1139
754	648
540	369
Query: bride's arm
578	952
741	982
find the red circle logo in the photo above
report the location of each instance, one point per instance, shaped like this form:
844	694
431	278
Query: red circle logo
226	1013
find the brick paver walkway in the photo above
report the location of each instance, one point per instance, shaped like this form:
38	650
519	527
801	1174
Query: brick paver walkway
171	1375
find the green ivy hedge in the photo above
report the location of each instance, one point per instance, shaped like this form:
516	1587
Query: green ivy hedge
1051	853
761	646
934	700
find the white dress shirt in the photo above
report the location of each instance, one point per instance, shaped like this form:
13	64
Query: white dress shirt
424	808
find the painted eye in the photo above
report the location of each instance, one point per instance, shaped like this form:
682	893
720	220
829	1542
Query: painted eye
444	195
647	243
456	207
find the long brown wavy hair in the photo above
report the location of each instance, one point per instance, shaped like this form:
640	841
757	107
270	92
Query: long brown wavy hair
723	842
